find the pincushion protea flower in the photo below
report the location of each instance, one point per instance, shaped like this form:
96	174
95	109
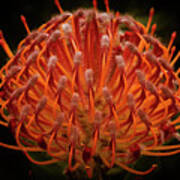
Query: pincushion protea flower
91	84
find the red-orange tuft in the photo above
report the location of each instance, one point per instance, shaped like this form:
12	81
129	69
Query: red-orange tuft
80	86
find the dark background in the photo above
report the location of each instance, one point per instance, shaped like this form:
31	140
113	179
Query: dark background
13	165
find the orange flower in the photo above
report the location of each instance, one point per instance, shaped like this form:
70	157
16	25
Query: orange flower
82	86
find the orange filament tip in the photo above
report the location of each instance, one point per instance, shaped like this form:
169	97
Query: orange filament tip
106	2
151	13
173	37
174	34
95	4
153	29
5	45
57	3
23	19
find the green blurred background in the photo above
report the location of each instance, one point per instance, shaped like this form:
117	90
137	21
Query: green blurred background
13	165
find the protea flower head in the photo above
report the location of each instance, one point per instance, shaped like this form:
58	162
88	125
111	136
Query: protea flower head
91	84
